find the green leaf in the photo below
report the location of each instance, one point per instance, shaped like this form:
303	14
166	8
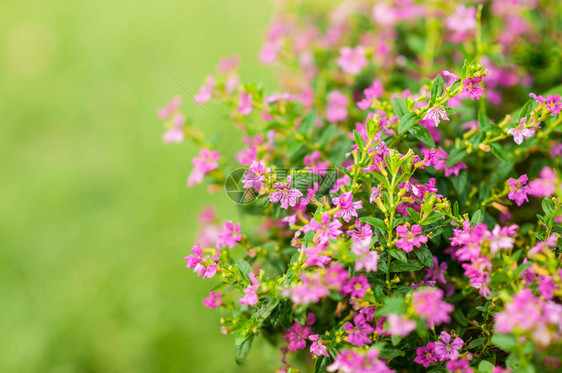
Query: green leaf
477	342
547	206
265	310
412	265
500	152
424	255
245	268
413	214
483	121
241	351
375	222
521	268
421	133
436	89
455	156
433	218
504	341
399	107
476	217
308	123
359	140
525	111
407	121
485	366
320	364
399	254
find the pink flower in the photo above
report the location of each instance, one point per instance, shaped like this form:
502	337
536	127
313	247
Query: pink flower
426	355
206	91
519	190
347	361
469	87
175	134
228	64
357	286
336	276
365	259
459	366
250	297
462	22
521	132
284	194
501	238
312	162
254	177
447	350
552	103
336	108
245	103
213	300
375	193
436	114
170	108
348	208
317	348
428	303
204	267
311	291
441	164
205	163
375	90
352	60
325	229
246	156
297	336
545	185
435	273
229	236
410	238
358	333
400	326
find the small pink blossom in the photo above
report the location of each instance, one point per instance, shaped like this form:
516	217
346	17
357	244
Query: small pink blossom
470	88
204	163
428	303
358	333
325	229
205	267
213	300
459	366
348	208
356	287
552	102
545	185
400	326
285	195
426	355
521	131
336	109
519	190
206	91
410	238
245	103
317	347
250	297
230	235
254	178
170	108
352	60
297	336
446	349
436	114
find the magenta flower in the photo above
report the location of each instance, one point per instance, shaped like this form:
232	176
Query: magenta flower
358	333
336	276
410	238
469	87
552	103
311	291
447	350
435	273
229	236
519	190
459	366
441	164
245	103
176	133
462	23
312	162
501	238
317	347
346	361
228	64
213	300
428	303
375	90
545	185
436	114
426	355
254	177
204	267
250	297
348	208
285	195
297	336
206	91
400	326
521	132
356	287
204	163
325	229
170	108
352	60
375	193
246	156
365	259
363	232
336	109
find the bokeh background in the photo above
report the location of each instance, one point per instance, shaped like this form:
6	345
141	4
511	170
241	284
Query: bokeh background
95	214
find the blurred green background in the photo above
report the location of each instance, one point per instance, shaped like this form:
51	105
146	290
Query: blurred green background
95	215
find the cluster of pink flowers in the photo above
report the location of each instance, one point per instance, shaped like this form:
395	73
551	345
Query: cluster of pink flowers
428	303
352	361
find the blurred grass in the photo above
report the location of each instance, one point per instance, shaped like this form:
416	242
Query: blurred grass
95	216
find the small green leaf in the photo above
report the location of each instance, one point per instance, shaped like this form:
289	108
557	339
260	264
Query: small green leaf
375	222
399	107
413	214
476	217
399	254
455	156
421	133
436	89
424	255
407	121
500	152
308	123
412	265
359	140
241	351
477	342
504	341
485	366
525	110
245	268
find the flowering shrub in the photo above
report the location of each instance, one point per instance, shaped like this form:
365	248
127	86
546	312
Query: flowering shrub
398	178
